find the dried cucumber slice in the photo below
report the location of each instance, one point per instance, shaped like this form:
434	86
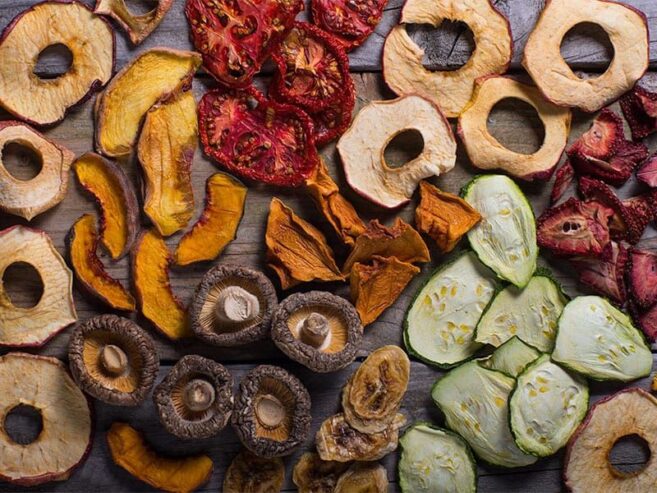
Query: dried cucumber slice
435	460
440	323
505	238
511	358
546	406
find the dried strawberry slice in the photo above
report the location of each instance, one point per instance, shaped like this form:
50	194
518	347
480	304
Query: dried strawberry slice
640	109
257	138
351	21
605	276
647	173
564	178
642	277
236	36
647	322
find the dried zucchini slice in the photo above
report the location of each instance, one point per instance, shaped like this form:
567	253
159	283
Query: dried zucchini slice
510	358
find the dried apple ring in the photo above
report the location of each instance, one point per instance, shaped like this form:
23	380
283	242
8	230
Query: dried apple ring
55	310
32	197
486	152
450	90
90	40
138	27
627	29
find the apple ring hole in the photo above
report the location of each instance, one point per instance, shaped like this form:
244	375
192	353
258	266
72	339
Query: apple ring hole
629	455
405	146
53	62
21	161
516	125
446	47
598	44
140	7
22	285
23	424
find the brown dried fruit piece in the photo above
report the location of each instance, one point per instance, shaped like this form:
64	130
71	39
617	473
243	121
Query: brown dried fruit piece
130	451
296	250
90	40
82	242
314	475
28	198
216	228
153	76
165	150
640	110
116	198
55	310
138	27
150	270
605	276
363	478
249	473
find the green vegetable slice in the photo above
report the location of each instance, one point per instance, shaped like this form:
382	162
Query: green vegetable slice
546	406
505	238
475	403
440	323
511	358
597	340
531	314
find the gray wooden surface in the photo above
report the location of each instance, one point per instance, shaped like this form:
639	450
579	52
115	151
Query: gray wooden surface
513	125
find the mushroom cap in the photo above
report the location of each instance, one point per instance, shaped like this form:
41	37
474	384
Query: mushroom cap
267	389
206	322
214	409
322	352
113	359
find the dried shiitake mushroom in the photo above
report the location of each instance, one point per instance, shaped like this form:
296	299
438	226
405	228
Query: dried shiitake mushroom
55	310
88	37
405	73
195	399
249	473
43	384
318	329
314	475
113	360
363	477
138	27
271	415
232	306
28	198
362	147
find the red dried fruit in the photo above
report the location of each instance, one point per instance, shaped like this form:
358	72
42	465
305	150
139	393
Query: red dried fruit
605	276
647	173
564	178
642	277
236	36
575	228
257	138
640	110
334	120
647	322
350	21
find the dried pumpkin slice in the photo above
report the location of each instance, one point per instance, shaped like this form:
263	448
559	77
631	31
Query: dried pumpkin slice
150	271
55	309
32	197
166	147
131	452
82	243
217	226
404	72
151	77
116	198
628	32
90	40
138	27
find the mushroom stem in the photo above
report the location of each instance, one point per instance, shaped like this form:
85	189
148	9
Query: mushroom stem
199	395
236	305
113	360
269	411
314	329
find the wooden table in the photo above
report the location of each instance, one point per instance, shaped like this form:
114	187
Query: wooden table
446	48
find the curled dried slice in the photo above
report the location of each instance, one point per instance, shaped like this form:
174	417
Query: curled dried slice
361	149
647	173
642	277
83	243
28	198
116	198
138	27
511	358
249	473
487	153
314	475
166	147
564	177
89	39
405	73
217	226
363	477
351	22
151	77
647	322
130	451
640	110
627	29
55	309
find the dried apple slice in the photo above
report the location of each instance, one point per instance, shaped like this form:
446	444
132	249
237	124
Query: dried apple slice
32	197
217	226
90	40
404	72
55	310
158	303
486	152
116	198
627	29
167	143
83	242
153	76
138	27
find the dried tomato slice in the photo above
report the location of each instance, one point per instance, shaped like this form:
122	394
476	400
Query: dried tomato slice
334	120
236	36
351	21
257	138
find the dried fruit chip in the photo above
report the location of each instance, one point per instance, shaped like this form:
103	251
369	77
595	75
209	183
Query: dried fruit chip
350	21
640	109
217	226
647	173
642	277
90	40
138	27
314	475
332	122
605	276
403	67
181	474
565	176
363	477
647	321
249	473
167	143
28	198
151	77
